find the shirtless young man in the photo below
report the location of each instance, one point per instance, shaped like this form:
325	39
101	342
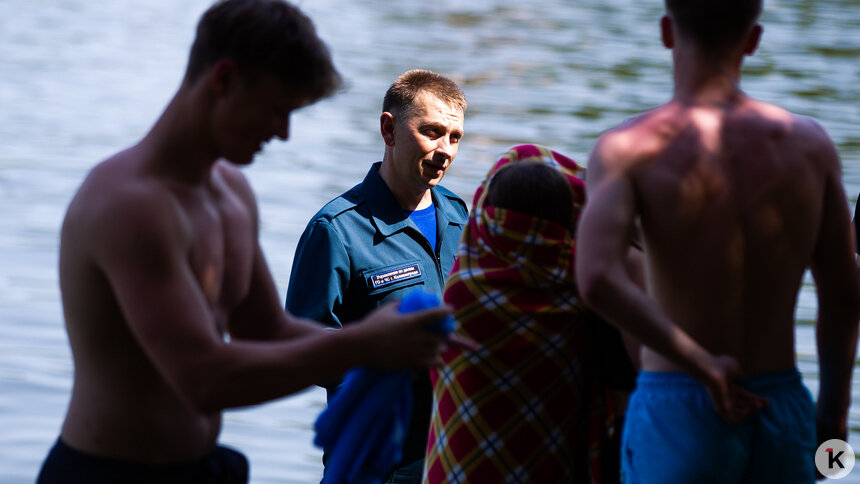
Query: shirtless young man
160	259
736	198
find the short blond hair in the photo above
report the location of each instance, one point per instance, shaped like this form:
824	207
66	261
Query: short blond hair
400	97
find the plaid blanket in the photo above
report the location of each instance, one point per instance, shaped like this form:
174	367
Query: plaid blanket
525	408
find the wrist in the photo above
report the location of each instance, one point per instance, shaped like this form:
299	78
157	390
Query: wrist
351	347
695	360
832	410
831	426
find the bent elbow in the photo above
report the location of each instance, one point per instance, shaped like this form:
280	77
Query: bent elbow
201	386
839	309
201	395
594	284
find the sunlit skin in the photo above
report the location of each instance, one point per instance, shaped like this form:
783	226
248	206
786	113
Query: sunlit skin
420	146
160	261
736	198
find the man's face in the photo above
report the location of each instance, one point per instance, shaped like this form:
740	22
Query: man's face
425	141
250	113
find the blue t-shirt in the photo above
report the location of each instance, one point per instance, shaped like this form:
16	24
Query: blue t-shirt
425	219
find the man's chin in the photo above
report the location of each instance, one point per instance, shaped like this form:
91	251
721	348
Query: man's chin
433	181
241	160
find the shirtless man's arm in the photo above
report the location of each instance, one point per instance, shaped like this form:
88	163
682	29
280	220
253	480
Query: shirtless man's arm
603	240
838	302
142	246
254	319
171	311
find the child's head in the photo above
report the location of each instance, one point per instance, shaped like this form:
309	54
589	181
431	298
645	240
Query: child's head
535	189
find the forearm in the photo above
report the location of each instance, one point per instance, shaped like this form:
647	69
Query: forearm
227	374
297	327
242	373
836	337
837	346
625	304
606	267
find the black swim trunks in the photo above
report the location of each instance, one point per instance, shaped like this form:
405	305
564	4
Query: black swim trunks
69	466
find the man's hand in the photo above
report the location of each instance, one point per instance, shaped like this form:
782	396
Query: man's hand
463	342
396	340
731	402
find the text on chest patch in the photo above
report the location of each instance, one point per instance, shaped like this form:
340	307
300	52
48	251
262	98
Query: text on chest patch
395	275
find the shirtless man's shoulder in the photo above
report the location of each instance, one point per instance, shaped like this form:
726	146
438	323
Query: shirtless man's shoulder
745	140
120	204
635	140
121	227
646	135
723	190
124	196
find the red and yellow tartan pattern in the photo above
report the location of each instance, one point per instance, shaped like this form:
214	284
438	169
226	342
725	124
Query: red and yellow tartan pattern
523	408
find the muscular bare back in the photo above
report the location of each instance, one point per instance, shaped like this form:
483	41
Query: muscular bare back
730	198
735	199
128	219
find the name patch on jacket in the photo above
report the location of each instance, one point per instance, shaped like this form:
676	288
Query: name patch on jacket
395	275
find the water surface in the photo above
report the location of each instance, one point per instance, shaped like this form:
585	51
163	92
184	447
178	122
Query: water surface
81	79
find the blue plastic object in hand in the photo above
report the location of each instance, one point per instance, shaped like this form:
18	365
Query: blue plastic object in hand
418	300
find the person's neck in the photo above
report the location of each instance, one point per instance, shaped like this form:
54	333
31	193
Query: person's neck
409	198
704	80
179	144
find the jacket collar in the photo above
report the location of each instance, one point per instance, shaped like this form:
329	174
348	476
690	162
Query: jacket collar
386	212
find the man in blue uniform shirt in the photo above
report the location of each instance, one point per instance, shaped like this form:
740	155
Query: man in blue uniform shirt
394	232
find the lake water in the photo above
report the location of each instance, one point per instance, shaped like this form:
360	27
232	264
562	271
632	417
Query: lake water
81	79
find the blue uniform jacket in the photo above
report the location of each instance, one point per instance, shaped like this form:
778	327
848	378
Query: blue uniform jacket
361	250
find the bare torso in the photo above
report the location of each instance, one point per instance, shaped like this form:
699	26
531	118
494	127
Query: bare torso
729	199
121	405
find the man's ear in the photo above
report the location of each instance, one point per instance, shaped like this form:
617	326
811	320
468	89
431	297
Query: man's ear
667	33
223	76
387	125
753	39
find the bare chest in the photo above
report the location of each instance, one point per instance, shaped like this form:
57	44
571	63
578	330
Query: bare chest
222	245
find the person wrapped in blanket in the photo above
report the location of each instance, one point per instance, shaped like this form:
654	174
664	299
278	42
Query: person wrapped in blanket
535	403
